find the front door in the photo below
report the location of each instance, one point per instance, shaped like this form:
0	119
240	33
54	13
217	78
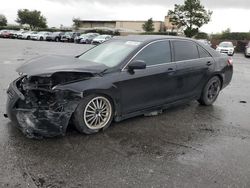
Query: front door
152	86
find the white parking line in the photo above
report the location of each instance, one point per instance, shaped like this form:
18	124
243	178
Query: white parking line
8	62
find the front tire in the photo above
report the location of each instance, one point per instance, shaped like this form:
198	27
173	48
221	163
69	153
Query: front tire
210	92
94	113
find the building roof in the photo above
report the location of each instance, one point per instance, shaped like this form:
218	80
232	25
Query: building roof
111	21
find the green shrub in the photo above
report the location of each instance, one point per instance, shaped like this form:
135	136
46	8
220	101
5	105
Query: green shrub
202	35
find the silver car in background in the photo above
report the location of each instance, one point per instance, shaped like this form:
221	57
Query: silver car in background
100	39
40	35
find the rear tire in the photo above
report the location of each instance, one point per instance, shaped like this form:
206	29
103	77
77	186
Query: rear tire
94	113
210	92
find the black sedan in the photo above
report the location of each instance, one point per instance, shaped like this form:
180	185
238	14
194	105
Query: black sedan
119	79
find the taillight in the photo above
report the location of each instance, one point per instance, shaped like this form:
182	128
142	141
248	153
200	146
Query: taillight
230	61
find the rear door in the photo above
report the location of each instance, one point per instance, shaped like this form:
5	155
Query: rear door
194	66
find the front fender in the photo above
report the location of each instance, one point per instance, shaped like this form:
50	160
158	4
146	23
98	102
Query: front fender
94	85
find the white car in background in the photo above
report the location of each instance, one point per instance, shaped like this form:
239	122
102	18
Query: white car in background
101	38
226	48
40	35
247	51
28	34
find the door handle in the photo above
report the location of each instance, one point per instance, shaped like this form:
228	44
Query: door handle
209	63
170	70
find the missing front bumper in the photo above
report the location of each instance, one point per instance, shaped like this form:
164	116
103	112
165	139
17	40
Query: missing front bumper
42	123
35	122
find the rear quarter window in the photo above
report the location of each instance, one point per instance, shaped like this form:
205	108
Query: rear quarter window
203	53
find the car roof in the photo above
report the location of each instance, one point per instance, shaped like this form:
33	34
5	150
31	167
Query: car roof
144	39
149	38
226	42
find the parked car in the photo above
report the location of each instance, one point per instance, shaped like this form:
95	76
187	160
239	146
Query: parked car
20	34
27	35
77	39
88	38
119	79
101	38
247	50
55	36
13	34
5	34
226	48
69	36
40	35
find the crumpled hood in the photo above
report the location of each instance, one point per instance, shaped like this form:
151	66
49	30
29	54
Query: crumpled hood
53	63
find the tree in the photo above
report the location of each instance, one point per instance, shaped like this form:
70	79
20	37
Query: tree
201	35
148	26
192	15
228	30
32	18
3	20
76	23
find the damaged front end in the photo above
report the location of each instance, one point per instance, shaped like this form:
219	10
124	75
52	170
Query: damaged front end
38	108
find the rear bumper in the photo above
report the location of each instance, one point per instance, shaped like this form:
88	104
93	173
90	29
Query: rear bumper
50	38
35	122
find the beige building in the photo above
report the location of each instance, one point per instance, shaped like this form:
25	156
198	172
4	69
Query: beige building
124	26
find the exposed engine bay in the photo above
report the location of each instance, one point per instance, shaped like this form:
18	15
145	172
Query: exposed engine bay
39	91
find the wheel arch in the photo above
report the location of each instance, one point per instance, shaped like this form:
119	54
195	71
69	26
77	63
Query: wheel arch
112	98
220	76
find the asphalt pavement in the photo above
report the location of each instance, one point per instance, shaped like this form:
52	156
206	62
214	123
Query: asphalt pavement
186	146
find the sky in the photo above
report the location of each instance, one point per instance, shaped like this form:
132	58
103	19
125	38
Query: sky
233	14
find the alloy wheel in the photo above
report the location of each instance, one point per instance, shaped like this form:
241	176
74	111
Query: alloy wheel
97	113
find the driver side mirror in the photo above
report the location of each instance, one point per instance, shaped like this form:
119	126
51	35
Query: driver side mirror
137	64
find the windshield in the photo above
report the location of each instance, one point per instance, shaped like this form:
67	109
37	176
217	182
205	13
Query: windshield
111	53
226	44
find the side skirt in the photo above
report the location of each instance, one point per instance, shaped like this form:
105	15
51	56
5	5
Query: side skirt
155	108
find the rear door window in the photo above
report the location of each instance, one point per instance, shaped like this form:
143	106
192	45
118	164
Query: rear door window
185	50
